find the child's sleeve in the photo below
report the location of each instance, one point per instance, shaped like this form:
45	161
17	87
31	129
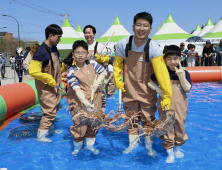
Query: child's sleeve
99	69
188	77
72	80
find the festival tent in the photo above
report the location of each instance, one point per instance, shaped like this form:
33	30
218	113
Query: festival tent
79	31
215	34
197	30
69	36
162	24
171	32
120	33
158	29
209	25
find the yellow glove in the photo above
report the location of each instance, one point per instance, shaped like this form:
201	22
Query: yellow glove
98	58
182	77
35	70
102	59
63	69
117	68
163	78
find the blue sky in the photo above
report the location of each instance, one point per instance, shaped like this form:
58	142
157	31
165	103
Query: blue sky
101	14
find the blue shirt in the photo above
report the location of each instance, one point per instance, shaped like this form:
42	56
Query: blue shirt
218	49
154	50
25	53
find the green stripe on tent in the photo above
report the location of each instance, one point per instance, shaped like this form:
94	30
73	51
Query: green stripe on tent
69	40
170	19
198	28
209	23
213	35
113	39
66	23
117	21
162	24
32	84
3	109
172	36
79	29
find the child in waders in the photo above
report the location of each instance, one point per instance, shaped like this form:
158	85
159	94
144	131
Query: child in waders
109	83
181	84
94	48
80	79
140	57
45	68
66	64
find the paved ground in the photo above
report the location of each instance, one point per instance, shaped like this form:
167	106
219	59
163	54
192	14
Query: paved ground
10	75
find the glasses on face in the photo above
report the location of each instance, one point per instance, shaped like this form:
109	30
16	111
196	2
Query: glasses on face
80	53
181	45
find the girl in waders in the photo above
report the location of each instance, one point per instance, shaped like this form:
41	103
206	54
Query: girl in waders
80	79
181	84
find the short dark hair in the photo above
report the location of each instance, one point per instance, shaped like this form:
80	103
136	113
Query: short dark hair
68	61
53	29
80	43
172	50
189	46
192	46
90	26
145	16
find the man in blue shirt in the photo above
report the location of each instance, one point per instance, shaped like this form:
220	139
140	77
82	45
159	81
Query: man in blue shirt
219	53
25	53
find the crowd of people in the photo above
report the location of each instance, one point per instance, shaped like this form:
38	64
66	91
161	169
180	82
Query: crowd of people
210	56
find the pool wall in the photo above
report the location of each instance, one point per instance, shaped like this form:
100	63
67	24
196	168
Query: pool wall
18	96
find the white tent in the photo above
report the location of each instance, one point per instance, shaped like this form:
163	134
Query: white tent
170	33
120	33
215	34
79	31
69	36
209	25
197	30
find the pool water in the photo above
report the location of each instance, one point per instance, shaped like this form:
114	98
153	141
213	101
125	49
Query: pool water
203	150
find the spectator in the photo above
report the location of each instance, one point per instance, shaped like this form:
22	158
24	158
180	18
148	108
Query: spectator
25	53
184	53
2	66
66	64
191	59
26	62
18	64
218	51
208	54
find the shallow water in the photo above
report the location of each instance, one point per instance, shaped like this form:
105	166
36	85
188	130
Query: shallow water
203	150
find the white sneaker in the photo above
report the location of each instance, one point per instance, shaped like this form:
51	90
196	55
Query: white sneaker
90	145
133	143
41	135
170	157
77	147
177	152
149	142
